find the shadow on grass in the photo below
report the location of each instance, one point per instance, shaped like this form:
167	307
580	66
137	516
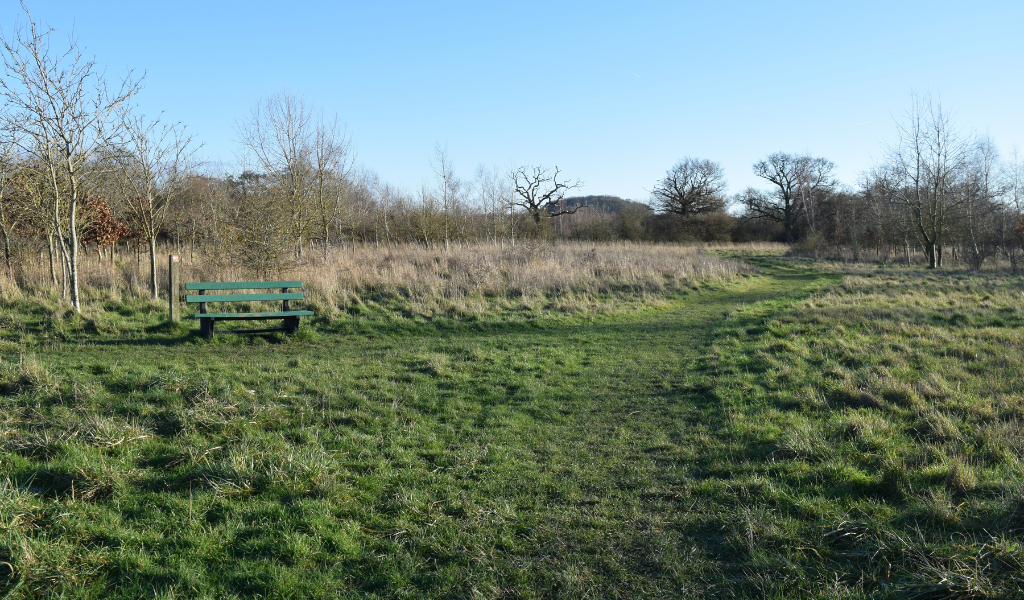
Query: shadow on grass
59	483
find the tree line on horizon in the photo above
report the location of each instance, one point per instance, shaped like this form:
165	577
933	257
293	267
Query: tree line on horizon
939	192
81	170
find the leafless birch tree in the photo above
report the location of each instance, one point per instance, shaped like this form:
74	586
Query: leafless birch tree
495	199
279	135
451	190
924	162
981	188
9	170
60	101
152	162
332	160
1012	222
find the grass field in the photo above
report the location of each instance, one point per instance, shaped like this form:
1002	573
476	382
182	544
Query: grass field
807	431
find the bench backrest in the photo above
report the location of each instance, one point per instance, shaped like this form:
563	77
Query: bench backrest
203	297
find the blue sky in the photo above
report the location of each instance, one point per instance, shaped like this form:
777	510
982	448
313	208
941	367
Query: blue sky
611	93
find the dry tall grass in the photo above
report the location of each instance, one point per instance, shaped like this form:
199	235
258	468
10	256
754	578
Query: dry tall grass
760	247
464	279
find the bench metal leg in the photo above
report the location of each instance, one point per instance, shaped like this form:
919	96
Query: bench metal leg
291	325
206	328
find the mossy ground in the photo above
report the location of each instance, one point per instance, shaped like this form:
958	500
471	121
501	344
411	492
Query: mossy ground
810	431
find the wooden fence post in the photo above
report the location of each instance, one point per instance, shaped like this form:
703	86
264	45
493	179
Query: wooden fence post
173	289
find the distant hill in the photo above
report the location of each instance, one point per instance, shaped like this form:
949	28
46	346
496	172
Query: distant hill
609	204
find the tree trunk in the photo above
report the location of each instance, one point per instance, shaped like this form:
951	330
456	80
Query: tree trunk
63	266
76	302
7	249
53	267
152	266
929	251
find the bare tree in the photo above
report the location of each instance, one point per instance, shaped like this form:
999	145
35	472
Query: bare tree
849	213
495	197
387	200
540	193
332	160
9	171
798	181
1011	223
152	165
692	187
923	163
279	134
36	208
781	205
197	215
62	104
817	183
980	188
258	224
307	158
452	191
427	221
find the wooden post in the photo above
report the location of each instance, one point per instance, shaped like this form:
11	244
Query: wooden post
173	287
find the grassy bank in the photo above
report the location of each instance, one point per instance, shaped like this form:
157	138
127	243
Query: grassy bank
801	432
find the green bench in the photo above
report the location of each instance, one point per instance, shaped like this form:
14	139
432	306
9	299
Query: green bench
290	318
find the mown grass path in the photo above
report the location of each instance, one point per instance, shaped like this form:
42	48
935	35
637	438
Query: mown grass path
556	458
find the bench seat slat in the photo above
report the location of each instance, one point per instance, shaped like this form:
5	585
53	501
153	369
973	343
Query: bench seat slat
242	285
242	297
252	316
